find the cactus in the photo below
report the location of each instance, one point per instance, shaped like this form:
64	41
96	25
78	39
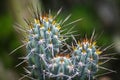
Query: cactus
47	58
43	43
85	56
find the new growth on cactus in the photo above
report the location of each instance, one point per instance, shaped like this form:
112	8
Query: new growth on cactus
48	60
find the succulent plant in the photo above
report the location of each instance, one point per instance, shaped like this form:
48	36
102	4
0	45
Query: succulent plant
86	56
47	58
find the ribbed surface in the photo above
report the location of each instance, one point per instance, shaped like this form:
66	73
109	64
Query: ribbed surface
45	57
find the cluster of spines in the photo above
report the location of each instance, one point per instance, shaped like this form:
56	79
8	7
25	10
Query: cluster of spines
81	63
44	53
43	39
85	56
46	59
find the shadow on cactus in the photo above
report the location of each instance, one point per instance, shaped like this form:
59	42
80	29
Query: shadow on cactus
48	59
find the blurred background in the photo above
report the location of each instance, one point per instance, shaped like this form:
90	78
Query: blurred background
101	15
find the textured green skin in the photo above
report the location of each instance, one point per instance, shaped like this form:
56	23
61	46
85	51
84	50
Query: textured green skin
83	62
44	44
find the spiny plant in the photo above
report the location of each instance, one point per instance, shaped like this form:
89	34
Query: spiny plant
47	57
